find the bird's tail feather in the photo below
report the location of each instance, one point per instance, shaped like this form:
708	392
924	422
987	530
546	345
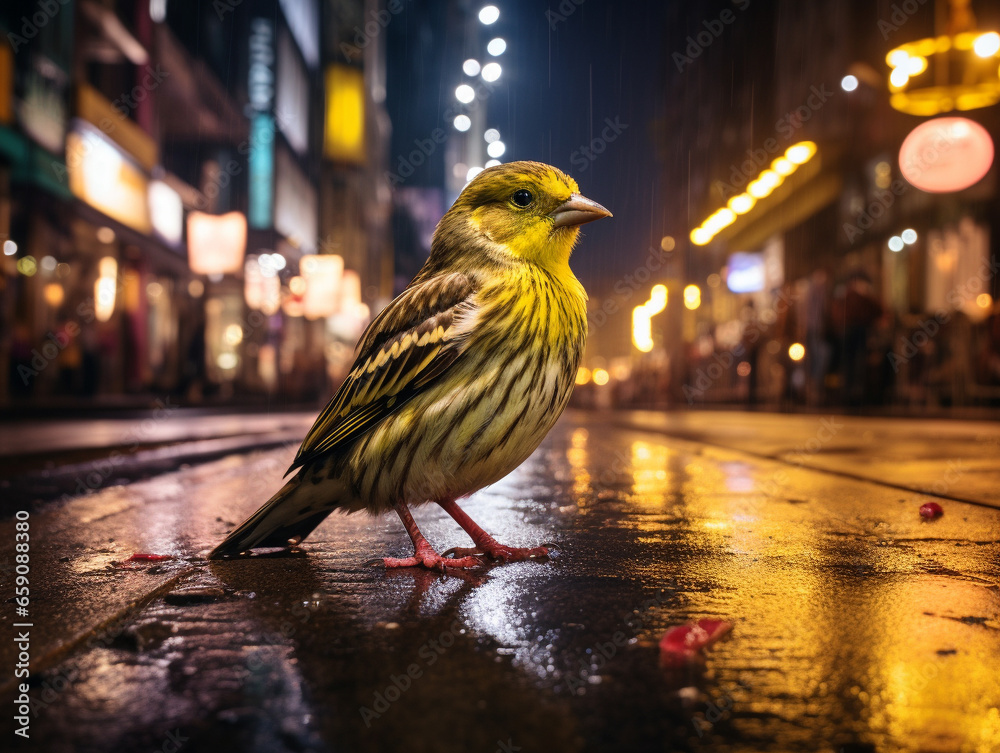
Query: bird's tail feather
288	517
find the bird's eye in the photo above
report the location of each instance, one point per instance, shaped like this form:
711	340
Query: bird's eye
522	197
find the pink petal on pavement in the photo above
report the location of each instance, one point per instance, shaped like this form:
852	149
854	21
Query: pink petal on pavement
682	643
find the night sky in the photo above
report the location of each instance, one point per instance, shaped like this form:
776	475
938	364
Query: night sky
565	77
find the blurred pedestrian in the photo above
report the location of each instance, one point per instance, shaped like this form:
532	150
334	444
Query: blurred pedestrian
817	326
855	310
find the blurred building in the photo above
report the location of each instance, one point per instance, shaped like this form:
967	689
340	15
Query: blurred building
164	167
807	264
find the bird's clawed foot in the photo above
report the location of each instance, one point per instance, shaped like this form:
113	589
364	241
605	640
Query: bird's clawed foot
503	553
425	556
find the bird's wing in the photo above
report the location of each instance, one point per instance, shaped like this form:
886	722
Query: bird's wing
409	344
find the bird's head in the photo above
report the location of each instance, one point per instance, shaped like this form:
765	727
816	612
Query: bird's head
525	211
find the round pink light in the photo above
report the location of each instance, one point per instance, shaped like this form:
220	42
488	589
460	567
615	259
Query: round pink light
946	154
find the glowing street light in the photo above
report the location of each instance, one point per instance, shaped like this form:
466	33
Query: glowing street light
987	45
465	93
849	83
496	149
471	67
489	15
491	72
463	123
642	315
692	297
496	47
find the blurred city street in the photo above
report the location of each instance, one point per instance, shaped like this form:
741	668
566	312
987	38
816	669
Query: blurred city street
858	625
772	489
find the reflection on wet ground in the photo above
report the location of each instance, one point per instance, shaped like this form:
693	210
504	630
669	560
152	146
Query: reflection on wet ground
857	624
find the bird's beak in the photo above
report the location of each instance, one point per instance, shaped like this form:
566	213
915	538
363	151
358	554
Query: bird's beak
576	211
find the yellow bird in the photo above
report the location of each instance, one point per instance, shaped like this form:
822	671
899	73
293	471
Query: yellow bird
457	380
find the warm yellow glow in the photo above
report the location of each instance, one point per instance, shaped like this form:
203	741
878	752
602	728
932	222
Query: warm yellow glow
959	80
700	236
692	297
796	351
104	298
722	218
916	65
801	153
297	285
770	179
227	361
782	166
667	243
984	300
196	288
742	204
601	377
761	187
344	131
582	375
758	190
899	77
657	299
54	294
108	267
642	326
987	45
897	58
233	334
102	175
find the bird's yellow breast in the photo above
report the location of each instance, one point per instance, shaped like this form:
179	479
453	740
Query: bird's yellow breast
533	306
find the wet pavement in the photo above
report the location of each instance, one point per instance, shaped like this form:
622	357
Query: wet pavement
857	624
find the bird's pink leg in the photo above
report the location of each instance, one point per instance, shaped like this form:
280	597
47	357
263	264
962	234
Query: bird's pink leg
423	554
486	544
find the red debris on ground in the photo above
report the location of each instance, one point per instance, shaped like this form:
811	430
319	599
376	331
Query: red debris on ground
682	643
931	510
141	557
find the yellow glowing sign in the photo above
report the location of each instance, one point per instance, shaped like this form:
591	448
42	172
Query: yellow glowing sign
642	325
939	74
759	188
104	177
344	130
